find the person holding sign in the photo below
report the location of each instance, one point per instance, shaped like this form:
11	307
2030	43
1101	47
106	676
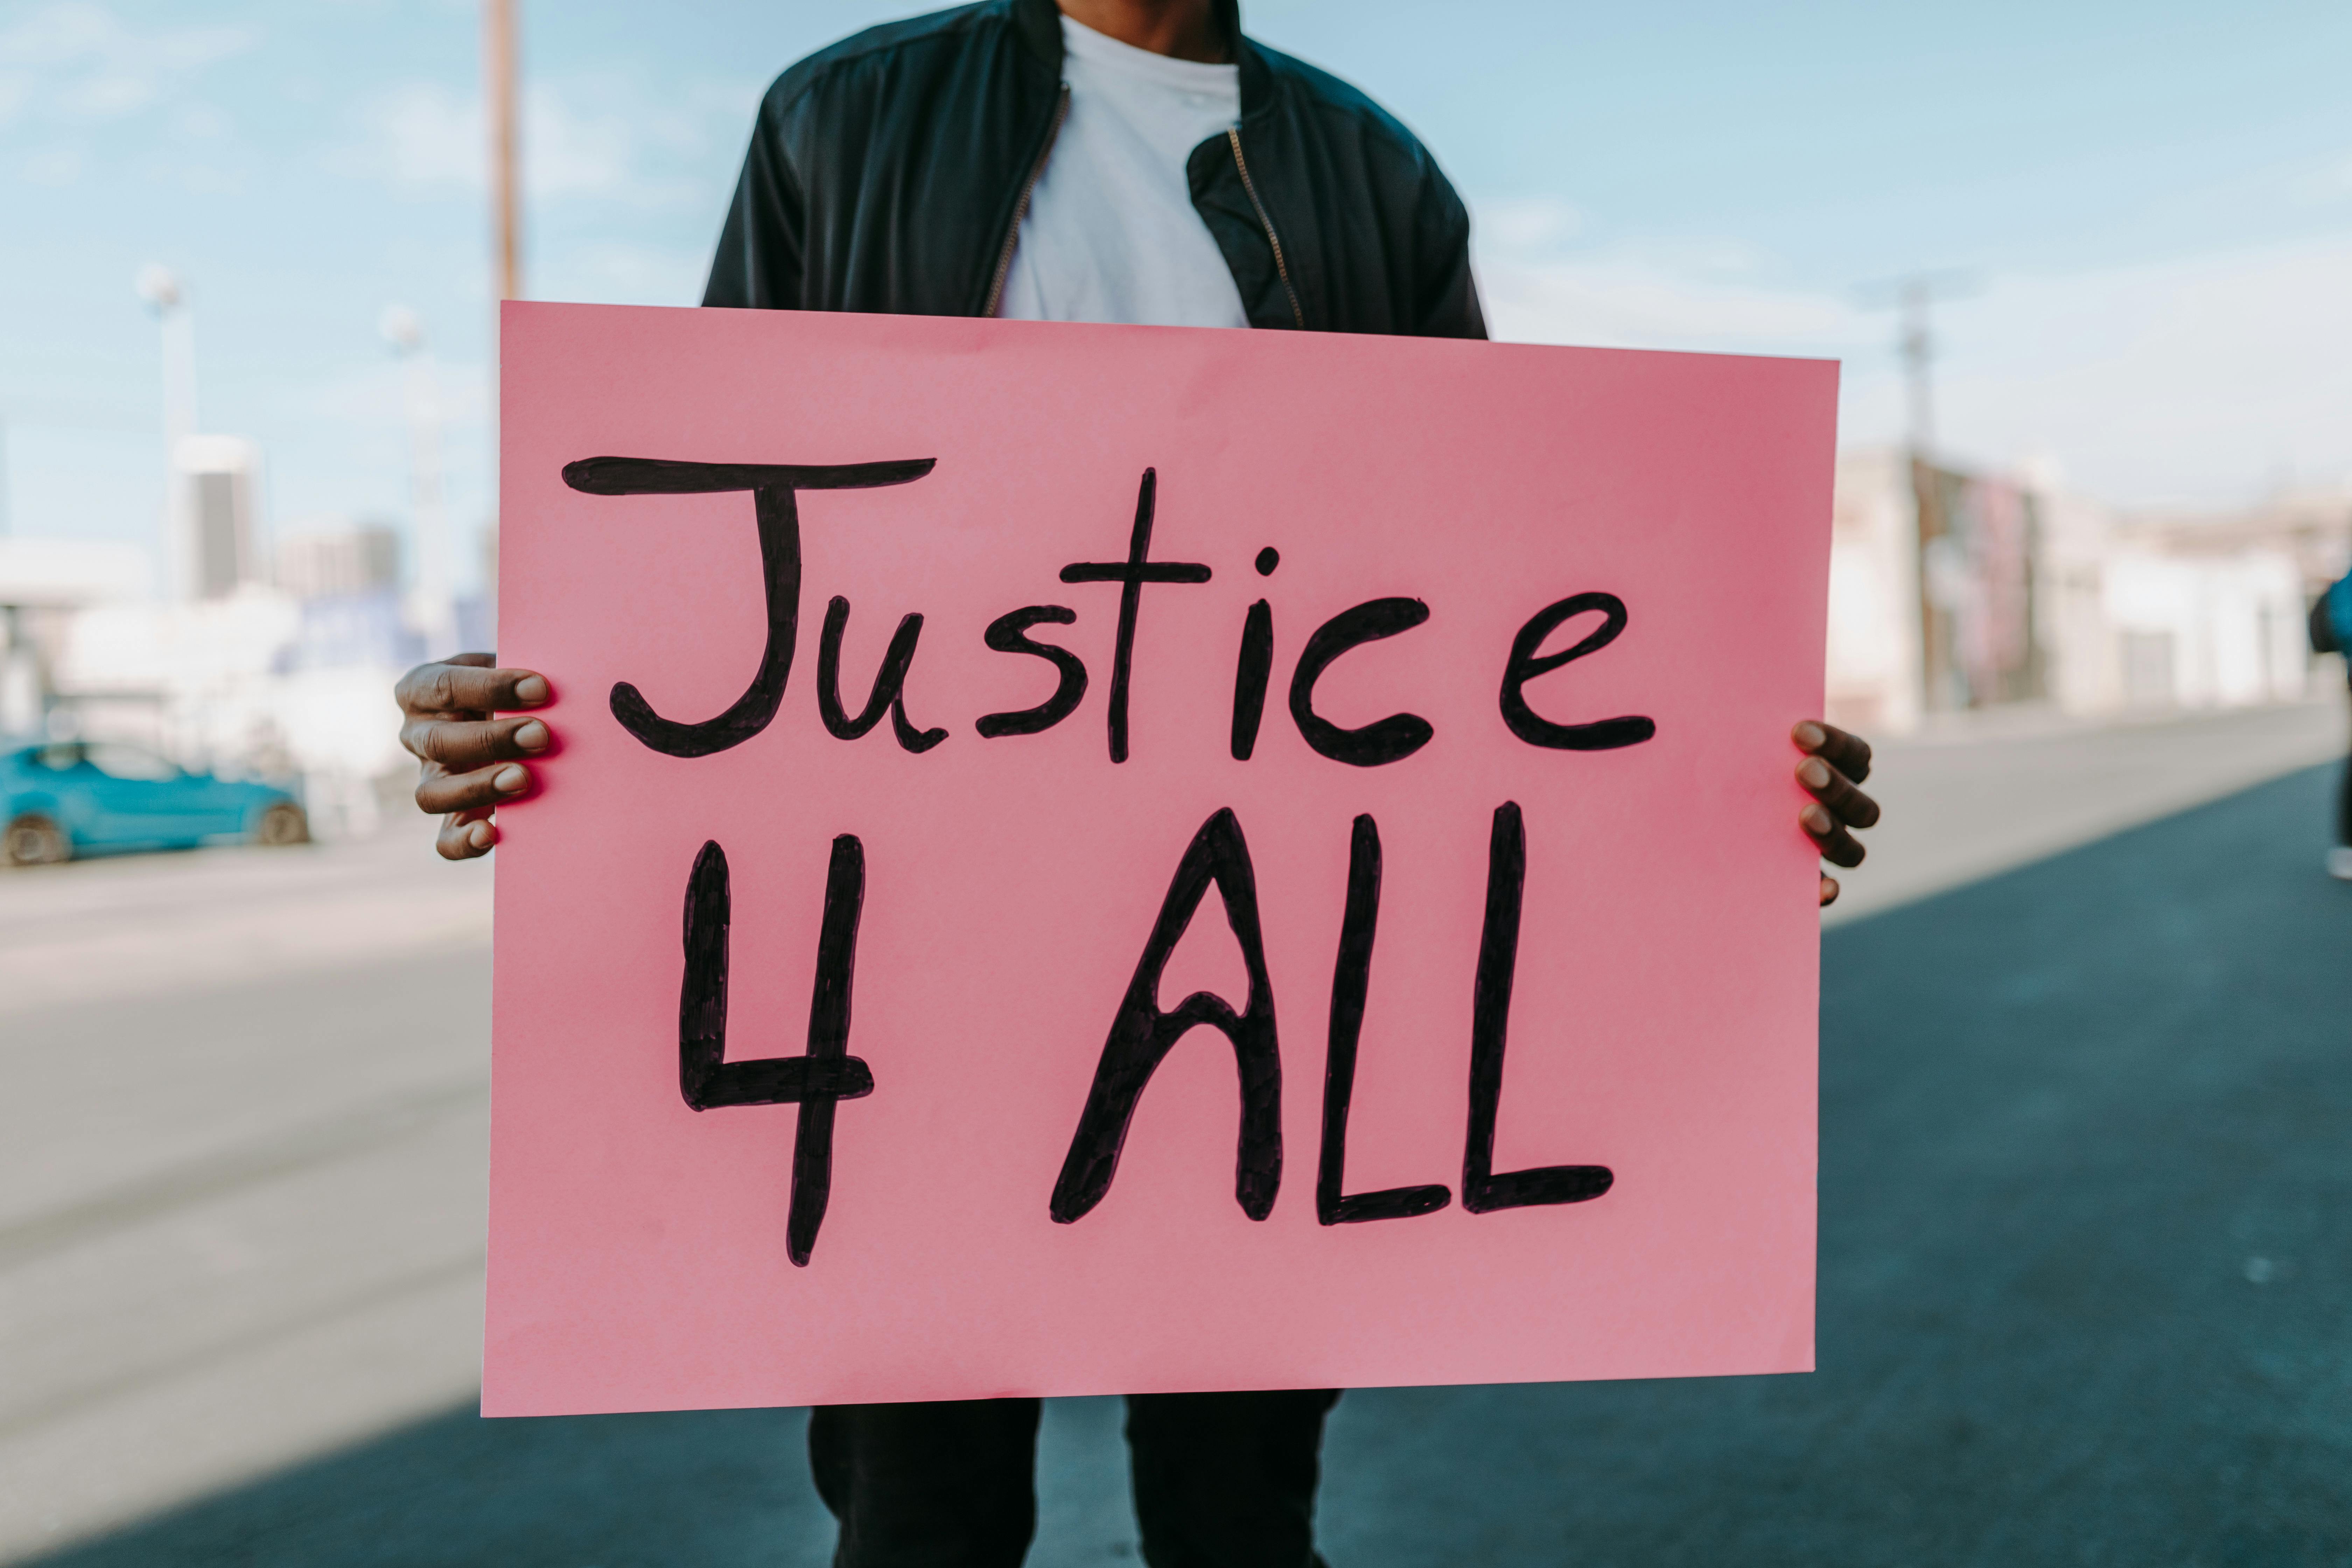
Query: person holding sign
1133	162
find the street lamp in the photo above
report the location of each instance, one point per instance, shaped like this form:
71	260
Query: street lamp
432	605
160	290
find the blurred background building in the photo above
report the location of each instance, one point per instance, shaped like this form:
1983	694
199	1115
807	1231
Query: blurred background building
1955	593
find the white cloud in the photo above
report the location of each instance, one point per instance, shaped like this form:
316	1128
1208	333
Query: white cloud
419	134
1683	295
2202	379
423	135
1527	224
624	274
77	63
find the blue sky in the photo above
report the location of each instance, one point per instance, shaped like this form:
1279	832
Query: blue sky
2156	202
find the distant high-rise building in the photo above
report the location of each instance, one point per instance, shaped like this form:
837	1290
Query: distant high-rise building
338	559
219	475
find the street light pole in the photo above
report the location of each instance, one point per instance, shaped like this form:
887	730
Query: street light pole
433	603
167	301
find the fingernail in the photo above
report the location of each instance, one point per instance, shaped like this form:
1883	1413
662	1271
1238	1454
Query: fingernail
531	690
1816	818
534	737
1809	734
508	781
1815	773
480	835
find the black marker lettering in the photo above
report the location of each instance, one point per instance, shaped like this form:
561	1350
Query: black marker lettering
1483	1191
1141	1036
1131	574
1250	675
889	682
772	487
1350	978
1004	635
1388	740
828	1072
1602	734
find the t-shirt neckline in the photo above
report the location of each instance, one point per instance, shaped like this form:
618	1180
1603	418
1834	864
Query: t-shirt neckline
1102	50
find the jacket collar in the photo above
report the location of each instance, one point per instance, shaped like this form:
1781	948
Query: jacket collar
1039	23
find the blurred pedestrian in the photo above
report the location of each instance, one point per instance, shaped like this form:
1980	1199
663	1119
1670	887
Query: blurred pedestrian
2331	632
1120	161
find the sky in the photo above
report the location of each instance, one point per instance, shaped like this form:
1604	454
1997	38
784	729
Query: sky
2146	210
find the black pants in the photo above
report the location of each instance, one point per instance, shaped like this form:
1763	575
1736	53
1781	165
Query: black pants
1222	1480
2344	808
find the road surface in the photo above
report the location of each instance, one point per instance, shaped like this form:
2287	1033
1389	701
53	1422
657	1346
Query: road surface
2087	1141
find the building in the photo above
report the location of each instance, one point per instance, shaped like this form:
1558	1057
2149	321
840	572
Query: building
43	583
1953	592
335	559
218	478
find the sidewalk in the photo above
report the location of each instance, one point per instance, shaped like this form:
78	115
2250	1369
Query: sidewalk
1981	797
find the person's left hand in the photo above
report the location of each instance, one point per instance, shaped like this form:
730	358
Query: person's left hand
1835	763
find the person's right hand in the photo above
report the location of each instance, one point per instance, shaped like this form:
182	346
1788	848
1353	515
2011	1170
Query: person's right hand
472	761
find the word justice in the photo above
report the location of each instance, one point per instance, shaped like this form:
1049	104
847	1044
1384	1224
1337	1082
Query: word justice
775	487
1141	1033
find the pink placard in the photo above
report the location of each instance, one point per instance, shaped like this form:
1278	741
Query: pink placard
1011	1167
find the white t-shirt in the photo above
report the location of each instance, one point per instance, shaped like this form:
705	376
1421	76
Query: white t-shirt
1111	234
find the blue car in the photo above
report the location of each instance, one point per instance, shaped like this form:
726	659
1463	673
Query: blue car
73	797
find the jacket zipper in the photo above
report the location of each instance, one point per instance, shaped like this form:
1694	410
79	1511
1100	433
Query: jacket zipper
1281	271
1021	208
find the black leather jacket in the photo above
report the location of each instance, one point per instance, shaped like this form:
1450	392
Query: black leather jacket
889	173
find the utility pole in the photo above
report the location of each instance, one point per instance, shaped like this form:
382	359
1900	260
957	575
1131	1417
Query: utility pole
500	95
1917	346
1915	295
501	112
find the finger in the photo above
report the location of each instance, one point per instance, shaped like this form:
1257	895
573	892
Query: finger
1838	846
454	688
1850	754
466	835
1829	786
1829	892
459	744
484	787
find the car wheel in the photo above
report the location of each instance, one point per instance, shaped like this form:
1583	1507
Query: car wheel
32	840
282	824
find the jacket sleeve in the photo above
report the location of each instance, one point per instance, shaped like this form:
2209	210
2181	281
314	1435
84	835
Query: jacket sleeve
760	249
1447	303
2322	623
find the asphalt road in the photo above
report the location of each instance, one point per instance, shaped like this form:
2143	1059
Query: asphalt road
2087	1151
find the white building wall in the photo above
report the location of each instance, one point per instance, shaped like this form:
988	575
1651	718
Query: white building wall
2207	631
1873	632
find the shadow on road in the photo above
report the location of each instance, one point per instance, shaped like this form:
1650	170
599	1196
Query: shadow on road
2086	1192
